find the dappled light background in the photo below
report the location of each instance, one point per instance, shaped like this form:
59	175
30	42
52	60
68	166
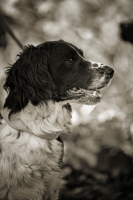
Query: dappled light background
98	152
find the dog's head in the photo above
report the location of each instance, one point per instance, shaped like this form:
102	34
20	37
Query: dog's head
54	70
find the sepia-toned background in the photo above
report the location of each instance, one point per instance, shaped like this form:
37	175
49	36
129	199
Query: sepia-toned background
98	152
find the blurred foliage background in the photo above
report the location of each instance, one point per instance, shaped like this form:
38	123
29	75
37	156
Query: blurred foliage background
98	153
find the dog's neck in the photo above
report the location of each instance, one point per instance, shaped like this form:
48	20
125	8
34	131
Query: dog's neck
47	120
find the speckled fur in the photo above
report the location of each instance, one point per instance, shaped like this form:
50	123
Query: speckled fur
30	166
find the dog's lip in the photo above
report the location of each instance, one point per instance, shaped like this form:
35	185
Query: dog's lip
82	96
82	91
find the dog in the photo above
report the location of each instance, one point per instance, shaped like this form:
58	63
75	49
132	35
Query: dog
40	85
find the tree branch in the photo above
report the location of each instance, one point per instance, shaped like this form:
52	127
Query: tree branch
9	30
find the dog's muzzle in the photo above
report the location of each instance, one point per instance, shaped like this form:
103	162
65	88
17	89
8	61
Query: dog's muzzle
103	69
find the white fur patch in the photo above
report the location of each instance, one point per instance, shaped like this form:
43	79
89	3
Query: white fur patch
30	165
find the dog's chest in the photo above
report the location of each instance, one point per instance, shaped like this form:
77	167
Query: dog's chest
29	149
29	162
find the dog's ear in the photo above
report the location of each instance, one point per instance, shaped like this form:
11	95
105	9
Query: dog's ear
29	79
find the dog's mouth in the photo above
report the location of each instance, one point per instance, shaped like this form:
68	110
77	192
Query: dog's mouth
84	96
81	92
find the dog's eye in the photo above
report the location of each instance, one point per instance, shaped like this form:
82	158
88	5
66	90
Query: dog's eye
70	61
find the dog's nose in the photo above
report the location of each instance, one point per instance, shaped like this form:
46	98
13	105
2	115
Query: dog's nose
103	69
109	71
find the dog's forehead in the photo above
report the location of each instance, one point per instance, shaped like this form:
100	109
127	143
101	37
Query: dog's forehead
64	48
60	48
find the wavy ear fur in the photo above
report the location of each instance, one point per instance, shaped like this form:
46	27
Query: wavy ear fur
29	79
